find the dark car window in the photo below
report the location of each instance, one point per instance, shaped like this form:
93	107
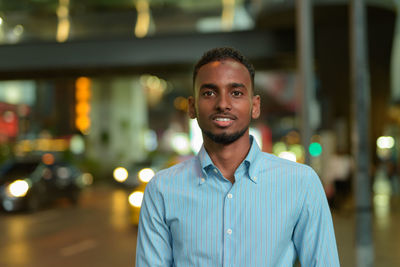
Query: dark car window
19	170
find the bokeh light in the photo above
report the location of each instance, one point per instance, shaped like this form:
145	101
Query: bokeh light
19	188
145	175
135	199
315	149
120	174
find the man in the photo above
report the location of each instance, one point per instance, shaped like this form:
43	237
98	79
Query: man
233	205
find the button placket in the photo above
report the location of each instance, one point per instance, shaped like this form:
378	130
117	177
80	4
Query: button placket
228	226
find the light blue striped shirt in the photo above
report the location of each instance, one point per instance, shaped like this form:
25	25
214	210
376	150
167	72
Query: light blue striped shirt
275	212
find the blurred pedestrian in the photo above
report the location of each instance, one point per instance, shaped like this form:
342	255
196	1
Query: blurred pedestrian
233	205
338	178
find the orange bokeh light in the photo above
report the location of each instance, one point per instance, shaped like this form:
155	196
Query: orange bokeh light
48	159
82	108
83	123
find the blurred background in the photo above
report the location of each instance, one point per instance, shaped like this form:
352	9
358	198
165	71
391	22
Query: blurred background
93	102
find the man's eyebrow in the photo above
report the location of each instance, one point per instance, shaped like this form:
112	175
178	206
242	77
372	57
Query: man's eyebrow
208	86
237	85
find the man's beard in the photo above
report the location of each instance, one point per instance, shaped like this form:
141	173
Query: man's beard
225	139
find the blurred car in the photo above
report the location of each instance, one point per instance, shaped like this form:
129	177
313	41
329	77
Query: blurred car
136	196
30	184
136	176
130	176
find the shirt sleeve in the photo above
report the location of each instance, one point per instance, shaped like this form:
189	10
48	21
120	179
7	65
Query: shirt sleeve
154	239
314	236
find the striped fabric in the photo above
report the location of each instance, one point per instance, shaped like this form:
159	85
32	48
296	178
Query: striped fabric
275	212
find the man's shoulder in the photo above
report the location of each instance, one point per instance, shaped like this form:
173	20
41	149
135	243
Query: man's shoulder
271	162
293	172
176	176
176	171
189	163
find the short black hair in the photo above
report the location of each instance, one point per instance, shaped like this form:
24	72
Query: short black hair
222	53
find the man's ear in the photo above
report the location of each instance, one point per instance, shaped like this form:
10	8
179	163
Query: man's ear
255	112
191	107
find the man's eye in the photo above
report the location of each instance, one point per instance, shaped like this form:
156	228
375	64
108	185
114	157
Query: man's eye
237	93
208	93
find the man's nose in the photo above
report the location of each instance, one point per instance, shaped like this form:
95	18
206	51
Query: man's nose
223	102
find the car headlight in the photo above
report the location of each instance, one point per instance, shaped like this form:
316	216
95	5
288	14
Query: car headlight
145	175
135	199
120	174
18	188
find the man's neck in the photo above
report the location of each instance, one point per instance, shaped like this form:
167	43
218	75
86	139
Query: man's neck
227	158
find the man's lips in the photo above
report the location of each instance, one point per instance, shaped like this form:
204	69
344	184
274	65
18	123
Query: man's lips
223	116
223	120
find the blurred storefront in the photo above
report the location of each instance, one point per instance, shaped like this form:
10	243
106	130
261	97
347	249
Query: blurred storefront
117	73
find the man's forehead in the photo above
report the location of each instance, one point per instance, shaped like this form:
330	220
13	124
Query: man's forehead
217	63
230	63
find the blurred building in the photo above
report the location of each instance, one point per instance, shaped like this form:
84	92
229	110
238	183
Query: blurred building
136	58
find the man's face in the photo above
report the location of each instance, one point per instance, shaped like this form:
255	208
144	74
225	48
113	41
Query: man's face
223	101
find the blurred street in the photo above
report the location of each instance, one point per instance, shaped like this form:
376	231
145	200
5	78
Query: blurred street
95	233
98	233
386	232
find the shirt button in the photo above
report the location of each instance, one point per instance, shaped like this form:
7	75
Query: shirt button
229	231
202	180
230	196
255	178
215	170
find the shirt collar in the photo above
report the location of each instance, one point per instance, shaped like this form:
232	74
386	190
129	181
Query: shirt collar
250	161
205	163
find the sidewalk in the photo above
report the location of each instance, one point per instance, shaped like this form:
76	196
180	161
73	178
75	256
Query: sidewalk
386	232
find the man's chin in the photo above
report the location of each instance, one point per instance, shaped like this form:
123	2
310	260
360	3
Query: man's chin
225	138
